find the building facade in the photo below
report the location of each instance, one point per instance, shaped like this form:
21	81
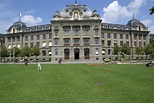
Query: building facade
76	33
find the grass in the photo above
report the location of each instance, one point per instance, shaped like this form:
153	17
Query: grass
76	83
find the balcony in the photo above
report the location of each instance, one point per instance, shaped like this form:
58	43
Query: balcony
76	36
66	45
86	36
66	36
96	36
56	36
76	45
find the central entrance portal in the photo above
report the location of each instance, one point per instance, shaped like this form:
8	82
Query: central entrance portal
76	54
86	53
66	53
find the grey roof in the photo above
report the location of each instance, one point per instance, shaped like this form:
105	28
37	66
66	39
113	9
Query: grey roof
86	12
18	25
114	26
134	23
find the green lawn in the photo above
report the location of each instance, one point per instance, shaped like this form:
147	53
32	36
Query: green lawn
76	83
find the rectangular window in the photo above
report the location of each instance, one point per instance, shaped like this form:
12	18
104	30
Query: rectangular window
26	38
66	41
121	43
56	32
140	36
144	37
31	44
56	41
38	44
121	36
96	41
38	37
9	39
50	36
31	37
44	36
135	44
127	42
26	44
115	36
127	36
86	41
76	41
18	39
102	35
13	39
108	35
135	36
109	43
96	49
96	33
102	42
56	51
139	43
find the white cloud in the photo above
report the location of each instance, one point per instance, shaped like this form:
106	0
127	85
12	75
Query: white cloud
114	11
151	29
30	20
147	22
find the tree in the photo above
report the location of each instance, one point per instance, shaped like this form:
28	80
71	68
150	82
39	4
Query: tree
116	50
36	51
4	52
125	50
15	52
149	50
26	52
151	10
152	39
139	51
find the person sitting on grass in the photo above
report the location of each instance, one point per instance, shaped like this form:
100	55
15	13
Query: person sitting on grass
149	64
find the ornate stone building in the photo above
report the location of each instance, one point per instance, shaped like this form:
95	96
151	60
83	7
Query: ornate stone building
76	33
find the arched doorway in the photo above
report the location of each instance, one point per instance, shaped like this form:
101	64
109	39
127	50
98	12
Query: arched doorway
66	53
86	53
76	54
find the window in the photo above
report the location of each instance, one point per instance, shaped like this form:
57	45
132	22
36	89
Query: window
38	37
96	32
140	36
38	44
102	35
18	39
121	36
31	44
31	37
56	51
127	42
50	36
56	41
135	36
66	30
115	36
76	30
96	41
86	41
85	30
66	41
96	49
43	44
26	44
144	37
44	36
9	39
143	43
139	43
13	39
135	44
44	53
109	43
26	38
56	32
127	36
102	42
76	41
121	43
50	43
108	35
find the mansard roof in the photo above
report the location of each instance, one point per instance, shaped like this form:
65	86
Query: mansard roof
85	11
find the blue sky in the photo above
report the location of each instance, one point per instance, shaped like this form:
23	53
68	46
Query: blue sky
37	12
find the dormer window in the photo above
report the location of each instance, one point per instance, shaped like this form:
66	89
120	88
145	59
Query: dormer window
84	10
66	10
